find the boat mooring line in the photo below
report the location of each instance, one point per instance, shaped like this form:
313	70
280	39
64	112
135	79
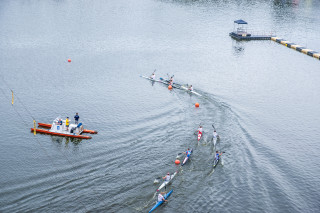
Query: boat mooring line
297	47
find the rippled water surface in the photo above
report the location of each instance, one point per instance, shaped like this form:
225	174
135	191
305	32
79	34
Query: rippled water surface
262	98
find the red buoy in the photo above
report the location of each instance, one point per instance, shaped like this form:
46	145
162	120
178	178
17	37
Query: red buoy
197	105
177	162
170	87
69	60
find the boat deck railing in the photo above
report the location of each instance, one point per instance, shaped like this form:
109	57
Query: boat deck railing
255	32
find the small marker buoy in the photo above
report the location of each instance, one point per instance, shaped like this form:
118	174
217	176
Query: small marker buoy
197	105
69	60
177	162
170	87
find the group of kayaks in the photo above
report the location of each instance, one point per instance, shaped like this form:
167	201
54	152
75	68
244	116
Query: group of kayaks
175	85
185	160
164	196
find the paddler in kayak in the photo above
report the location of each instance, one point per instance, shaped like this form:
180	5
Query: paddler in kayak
188	152
167	177
190	88
153	76
200	129
161	198
217	157
215	135
171	80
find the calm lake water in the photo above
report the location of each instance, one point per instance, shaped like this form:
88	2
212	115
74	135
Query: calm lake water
262	98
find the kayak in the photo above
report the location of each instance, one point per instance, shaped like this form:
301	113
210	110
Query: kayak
167	82
165	183
214	139
186	159
215	163
199	135
193	92
161	202
149	78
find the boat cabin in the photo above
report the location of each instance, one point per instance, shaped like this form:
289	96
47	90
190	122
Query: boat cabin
240	28
59	126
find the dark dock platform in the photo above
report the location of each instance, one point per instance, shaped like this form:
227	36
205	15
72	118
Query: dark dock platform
240	33
248	36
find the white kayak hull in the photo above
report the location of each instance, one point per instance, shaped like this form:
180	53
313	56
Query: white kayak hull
165	183
187	89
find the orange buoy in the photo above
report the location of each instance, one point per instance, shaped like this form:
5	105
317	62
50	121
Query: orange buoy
177	162
169	87
197	104
69	60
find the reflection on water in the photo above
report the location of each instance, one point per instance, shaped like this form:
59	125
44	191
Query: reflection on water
65	140
286	3
238	47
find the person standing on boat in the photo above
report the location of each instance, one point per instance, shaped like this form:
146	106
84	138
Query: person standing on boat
60	121
67	123
190	88
161	198
76	118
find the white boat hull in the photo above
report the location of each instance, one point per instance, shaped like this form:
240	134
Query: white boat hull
165	183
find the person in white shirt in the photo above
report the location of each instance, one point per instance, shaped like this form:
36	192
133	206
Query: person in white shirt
200	129
153	76
190	88
167	177
215	135
161	198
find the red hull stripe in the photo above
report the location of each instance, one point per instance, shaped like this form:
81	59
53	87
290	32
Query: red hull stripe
60	134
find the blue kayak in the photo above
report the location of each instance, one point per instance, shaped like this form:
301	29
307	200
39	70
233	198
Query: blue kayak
161	202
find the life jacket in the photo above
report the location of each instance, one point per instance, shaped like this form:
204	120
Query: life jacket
217	156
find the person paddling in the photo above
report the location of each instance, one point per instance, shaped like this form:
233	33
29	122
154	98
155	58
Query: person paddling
171	80
215	135
161	198
153	76
200	129
167	177
190	88
188	152
217	157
